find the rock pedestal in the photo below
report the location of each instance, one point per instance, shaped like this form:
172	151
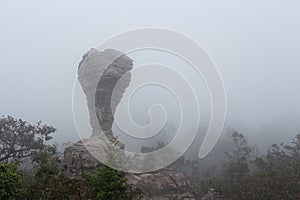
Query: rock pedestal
98	74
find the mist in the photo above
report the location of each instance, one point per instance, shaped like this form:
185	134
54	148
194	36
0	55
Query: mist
254	47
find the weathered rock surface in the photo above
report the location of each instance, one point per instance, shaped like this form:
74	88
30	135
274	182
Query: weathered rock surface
77	160
98	74
163	184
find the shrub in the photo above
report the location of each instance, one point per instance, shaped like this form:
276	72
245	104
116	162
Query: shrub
110	184
11	185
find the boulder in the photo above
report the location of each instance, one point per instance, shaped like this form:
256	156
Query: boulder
77	160
163	184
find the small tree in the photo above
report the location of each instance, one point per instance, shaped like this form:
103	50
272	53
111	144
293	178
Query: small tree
239	158
47	168
111	184
19	139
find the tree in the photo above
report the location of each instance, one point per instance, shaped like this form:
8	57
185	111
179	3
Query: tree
19	139
239	158
47	168
108	183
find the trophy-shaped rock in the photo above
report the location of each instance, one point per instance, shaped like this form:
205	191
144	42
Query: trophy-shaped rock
104	76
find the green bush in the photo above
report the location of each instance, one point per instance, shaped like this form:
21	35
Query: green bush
59	187
48	184
110	184
11	185
19	140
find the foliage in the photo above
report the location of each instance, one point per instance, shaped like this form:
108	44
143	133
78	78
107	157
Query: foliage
19	139
274	175
239	158
106	183
110	184
60	187
48	184
11	185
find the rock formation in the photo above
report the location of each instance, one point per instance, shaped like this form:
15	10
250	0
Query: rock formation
77	160
98	74
163	184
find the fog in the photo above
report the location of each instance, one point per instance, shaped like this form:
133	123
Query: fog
255	45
